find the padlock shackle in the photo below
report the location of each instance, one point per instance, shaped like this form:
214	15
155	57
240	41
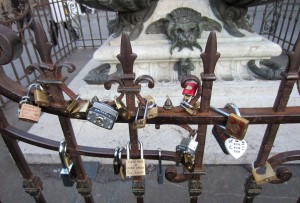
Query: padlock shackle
29	88
128	147
62	154
234	107
138	110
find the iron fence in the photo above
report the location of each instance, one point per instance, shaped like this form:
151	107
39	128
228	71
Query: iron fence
70	26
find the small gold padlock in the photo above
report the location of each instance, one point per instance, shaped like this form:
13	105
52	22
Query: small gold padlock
263	174
141	123
81	109
123	112
135	167
152	110
71	104
41	97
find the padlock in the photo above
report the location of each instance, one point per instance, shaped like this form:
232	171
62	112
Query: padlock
81	109
141	123
189	92
135	167
152	110
70	105
219	131
27	111
116	162
160	177
186	150
67	172
263	174
122	168
41	97
122	109
236	126
102	115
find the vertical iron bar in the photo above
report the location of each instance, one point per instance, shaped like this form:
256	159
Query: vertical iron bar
100	34
283	20
62	26
288	24
294	28
34	190
89	23
81	31
15	72
277	19
263	19
23	67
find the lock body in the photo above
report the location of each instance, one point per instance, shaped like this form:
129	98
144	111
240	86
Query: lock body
41	98
141	123
67	172
81	109
102	115
221	136
121	108
186	150
189	92
135	167
263	174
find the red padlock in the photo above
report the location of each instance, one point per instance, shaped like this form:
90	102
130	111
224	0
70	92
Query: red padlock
191	89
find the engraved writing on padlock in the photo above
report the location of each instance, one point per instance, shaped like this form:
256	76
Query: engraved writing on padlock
135	167
27	111
152	110
41	97
141	123
263	174
236	126
67	172
186	150
123	111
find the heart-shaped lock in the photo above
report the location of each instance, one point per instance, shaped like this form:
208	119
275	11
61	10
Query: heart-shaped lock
235	147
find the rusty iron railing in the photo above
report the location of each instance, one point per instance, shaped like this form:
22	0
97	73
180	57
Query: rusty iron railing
130	88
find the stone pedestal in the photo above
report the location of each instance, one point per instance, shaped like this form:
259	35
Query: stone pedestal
153	50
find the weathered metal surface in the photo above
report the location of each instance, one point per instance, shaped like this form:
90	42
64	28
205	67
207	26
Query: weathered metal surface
130	88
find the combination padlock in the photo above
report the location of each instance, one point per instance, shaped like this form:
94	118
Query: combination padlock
27	111
67	172
141	123
236	126
41	97
186	150
135	167
152	110
263	174
122	109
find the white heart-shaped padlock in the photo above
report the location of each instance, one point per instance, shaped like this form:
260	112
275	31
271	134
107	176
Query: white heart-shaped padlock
235	147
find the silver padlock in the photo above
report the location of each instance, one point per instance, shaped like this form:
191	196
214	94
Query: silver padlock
141	123
186	150
135	167
67	172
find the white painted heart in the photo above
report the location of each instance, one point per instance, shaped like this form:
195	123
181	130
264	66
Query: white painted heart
236	148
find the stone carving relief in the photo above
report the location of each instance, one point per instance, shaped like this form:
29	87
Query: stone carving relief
233	14
184	67
269	70
131	14
183	26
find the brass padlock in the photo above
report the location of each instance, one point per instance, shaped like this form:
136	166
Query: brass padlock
189	108
70	105
81	109
121	108
27	111
152	110
236	126
135	167
41	97
141	123
67	172
263	174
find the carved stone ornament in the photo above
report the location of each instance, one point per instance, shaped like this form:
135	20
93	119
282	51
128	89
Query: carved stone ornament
131	14
233	14
183	26
270	70
98	76
184	67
